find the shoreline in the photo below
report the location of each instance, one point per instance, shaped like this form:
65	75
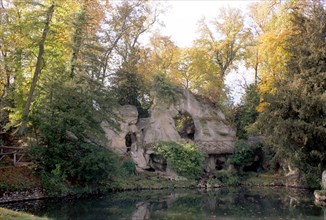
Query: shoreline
41	194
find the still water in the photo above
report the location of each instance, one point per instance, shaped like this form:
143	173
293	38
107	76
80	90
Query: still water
225	203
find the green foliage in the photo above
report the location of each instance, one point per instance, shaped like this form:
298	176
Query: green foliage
73	163
55	183
243	154
294	119
227	178
246	114
77	105
129	167
128	91
72	107
164	88
184	158
97	164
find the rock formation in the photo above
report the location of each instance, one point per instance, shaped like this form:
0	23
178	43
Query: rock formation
323	180
320	195
189	117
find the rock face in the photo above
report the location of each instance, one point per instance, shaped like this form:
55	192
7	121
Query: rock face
323	180
211	132
189	117
320	195
118	140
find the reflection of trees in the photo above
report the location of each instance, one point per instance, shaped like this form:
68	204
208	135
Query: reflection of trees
185	204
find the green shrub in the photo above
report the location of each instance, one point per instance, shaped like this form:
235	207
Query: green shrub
228	178
243	154
184	158
214	181
164	88
96	164
81	164
54	184
129	167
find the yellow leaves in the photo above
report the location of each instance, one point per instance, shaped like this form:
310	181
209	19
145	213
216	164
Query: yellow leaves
273	46
262	105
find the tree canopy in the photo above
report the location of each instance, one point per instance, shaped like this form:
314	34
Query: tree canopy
66	64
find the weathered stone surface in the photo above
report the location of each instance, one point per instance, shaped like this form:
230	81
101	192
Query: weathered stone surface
323	180
140	157
320	197
117	139
158	162
71	136
212	133
209	130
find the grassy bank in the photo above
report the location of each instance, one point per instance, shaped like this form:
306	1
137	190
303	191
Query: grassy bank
18	178
13	215
263	179
24	178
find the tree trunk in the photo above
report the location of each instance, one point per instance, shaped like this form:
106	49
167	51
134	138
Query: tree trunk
78	38
37	71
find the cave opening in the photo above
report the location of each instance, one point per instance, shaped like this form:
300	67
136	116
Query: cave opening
185	125
130	139
158	162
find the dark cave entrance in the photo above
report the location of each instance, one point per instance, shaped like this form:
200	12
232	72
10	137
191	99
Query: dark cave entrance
130	139
185	125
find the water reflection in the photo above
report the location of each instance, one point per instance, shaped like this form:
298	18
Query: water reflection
259	203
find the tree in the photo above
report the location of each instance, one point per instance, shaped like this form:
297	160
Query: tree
246	113
271	27
229	40
261	16
294	119
131	21
88	50
38	68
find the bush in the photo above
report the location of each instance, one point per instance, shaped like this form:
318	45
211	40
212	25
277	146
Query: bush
55	183
129	167
96	164
184	158
164	88
243	154
77	106
228	178
79	163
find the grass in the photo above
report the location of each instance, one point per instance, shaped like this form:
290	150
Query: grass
263	179
13	215
18	178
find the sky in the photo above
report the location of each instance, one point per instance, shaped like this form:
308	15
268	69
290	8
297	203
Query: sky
181	21
182	17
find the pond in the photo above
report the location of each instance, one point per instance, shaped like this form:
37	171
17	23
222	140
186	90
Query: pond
224	203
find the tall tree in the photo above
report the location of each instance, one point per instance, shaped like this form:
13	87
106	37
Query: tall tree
294	121
87	48
272	28
225	39
132	20
38	67
261	16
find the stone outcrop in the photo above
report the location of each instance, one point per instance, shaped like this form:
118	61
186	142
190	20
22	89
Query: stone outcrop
323	180
212	133
320	195
117	138
189	117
